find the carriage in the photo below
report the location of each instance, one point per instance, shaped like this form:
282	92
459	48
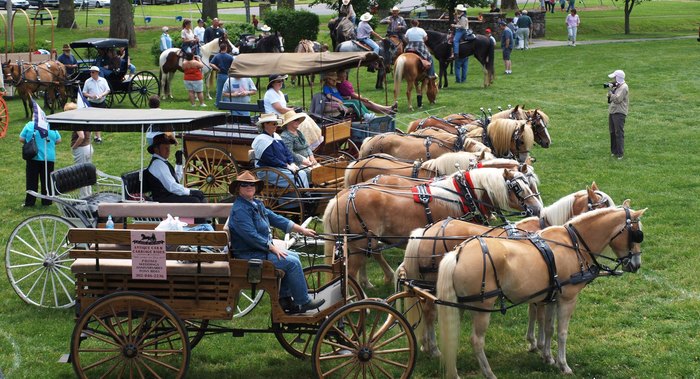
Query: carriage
138	88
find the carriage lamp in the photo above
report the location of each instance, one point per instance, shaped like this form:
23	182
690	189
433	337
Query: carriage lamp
254	271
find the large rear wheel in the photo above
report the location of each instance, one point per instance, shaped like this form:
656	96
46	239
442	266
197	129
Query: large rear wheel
210	170
143	85
280	194
4	117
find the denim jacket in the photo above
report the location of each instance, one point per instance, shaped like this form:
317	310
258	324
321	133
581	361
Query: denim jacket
250	223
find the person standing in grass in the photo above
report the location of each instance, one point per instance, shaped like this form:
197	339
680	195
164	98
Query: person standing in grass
524	25
618	105
221	63
192	68
506	45
572	23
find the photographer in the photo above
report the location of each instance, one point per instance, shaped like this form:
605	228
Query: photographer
618	103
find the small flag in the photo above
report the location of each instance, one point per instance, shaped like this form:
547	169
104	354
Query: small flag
82	103
41	124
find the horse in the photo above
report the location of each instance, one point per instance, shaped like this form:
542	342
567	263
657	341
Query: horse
352	46
427	246
507	138
170	61
490	269
481	48
452	123
410	67
274	43
416	146
308	46
372	214
28	78
341	30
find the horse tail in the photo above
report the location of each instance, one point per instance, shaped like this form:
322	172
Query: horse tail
409	267
448	316
398	75
349	173
328	228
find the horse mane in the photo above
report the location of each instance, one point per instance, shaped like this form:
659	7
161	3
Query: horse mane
501	133
593	213
560	211
445	164
490	180
505	114
544	116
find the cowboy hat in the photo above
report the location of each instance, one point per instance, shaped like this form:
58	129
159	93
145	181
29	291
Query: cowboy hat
395	8
268	117
275	78
265	28
244	177
291	116
461	8
346	2
156	138
366	17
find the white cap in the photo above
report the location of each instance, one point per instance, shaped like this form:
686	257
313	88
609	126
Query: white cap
165	29
617	74
95	68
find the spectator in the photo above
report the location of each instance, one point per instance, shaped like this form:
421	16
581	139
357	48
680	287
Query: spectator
165	41
154	102
270	151
572	5
494	8
550	5
572	23
199	31
95	91
275	103
265	31
365	33
41	166
506	45
397	25
351	98
513	26
334	101
81	148
295	141
238	90
562	3
126	62
221	63
347	9
524	25
488	34
192	69
460	26
190	44
543	4
255	22
68	60
213	32
618	106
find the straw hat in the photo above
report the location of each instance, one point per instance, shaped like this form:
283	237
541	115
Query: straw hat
244	177
268	117
366	17
275	78
156	138
461	8
291	116
395	8
265	28
66	47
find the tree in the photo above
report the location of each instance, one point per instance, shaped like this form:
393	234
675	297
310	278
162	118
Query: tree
449	5
285	4
360	6
629	5
121	21
209	9
66	15
509	4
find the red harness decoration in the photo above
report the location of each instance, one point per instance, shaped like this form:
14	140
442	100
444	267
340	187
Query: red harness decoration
482	208
479	165
422	194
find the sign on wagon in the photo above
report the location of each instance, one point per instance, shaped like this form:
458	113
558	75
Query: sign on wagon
148	255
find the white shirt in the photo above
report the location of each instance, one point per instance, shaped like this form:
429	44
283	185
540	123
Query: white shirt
271	97
187	34
96	87
416	34
159	169
199	33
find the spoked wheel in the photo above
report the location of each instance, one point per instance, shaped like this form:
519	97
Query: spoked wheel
211	170
296	339
37	262
4	117
365	339
279	193
195	331
130	334
109	100
143	85
246	302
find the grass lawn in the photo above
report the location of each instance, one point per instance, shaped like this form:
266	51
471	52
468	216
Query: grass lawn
642	325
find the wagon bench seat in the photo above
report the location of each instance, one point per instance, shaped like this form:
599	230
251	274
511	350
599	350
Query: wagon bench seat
123	266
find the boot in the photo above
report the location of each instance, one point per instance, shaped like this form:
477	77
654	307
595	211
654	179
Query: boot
419	101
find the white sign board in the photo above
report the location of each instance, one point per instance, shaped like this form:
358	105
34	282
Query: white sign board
148	255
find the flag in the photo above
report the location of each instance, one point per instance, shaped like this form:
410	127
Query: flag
41	124
82	103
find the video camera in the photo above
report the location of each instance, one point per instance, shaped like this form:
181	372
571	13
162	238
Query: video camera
609	85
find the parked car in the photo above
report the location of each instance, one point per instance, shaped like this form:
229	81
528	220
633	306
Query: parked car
84	3
23	4
102	3
44	3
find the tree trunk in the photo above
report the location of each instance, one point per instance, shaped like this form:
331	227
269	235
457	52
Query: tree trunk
66	15
285	4
121	21
509	5
209	9
629	4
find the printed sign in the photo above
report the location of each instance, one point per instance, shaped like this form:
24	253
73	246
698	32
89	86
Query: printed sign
148	255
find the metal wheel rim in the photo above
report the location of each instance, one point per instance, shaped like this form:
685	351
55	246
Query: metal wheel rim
246	303
130	334
210	170
142	86
279	194
37	262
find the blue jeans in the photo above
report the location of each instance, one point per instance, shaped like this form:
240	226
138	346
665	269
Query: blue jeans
294	282
461	68
459	33
371	44
571	6
431	72
132	69
220	80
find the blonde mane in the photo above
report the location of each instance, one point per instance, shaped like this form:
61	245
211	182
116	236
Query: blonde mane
518	110
445	164
490	180
593	213
501	134
560	211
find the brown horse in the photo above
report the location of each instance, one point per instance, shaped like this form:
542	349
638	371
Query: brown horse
555	264
308	46
508	138
451	123
372	215
28	78
419	146
427	246
409	66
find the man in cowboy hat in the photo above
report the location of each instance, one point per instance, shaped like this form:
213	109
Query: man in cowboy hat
365	33
249	225
347	9
265	30
397	25
160	178
460	26
68	60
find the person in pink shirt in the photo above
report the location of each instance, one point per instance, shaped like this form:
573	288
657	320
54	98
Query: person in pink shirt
572	22
348	93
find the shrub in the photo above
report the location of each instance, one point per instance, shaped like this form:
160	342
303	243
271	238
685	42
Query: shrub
235	31
293	25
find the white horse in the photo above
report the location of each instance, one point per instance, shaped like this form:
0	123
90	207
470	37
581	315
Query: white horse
170	61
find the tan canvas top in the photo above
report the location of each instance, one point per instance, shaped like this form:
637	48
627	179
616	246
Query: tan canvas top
264	64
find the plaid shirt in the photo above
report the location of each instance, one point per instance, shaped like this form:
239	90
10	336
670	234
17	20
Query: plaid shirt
420	48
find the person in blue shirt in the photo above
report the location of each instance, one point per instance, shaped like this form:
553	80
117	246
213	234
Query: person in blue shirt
270	151
165	41
221	63
42	165
249	225
68	61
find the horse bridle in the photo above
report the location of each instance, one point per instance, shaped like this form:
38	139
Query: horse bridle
604	201
514	186
518	139
537	123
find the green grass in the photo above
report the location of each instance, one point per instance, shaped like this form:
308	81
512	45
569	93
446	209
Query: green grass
638	325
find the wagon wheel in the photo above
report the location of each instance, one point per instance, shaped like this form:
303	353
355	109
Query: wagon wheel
4	117
296	339
365	338
130	334
210	169
195	331
109	100
246	302
142	86
37	262
280	194
349	148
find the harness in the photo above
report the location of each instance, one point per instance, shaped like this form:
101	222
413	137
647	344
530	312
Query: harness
27	67
423	196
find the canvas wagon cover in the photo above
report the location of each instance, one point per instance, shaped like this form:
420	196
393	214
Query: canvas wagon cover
134	120
100	43
264	64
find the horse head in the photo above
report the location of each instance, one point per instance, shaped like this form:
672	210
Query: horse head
11	71
520	194
539	129
432	90
522	141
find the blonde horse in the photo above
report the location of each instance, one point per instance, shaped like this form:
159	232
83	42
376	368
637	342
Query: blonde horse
419	146
452	123
29	78
427	246
372	215
408	66
482	271
508	138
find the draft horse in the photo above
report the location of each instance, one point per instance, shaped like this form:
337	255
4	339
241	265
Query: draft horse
410	67
372	214
419	146
550	267
29	78
481	48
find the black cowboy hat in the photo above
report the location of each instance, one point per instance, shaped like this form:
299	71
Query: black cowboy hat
160	138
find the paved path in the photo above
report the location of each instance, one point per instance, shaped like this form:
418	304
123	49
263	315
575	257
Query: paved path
549	43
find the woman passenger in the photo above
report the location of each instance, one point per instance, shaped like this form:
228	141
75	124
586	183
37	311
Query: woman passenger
294	139
270	151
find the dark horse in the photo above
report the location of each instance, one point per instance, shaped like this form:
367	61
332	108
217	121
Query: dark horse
481	48
273	43
341	30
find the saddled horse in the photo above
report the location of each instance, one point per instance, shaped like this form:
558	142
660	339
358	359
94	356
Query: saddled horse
480	47
372	214
428	245
418	147
308	46
341	30
353	46
409	67
29	78
170	62
552	266
274	43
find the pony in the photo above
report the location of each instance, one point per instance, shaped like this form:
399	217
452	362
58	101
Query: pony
274	43
416	146
170	61
428	245
507	138
410	67
308	46
481	48
29	78
372	214
452	123
516	113
489	269
353	46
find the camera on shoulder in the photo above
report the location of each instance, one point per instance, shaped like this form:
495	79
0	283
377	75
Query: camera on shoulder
609	85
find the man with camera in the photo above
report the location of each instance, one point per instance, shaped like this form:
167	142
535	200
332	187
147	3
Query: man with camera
618	104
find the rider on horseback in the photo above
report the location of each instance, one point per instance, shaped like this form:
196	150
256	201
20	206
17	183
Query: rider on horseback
397	25
461	25
365	33
416	43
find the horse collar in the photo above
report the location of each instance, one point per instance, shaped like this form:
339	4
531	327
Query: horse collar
468	188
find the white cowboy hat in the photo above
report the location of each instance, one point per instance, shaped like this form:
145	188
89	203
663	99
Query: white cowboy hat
461	8
395	8
165	29
268	117
265	28
366	17
95	68
291	116
346	2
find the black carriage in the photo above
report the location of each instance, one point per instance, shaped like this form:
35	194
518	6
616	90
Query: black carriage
139	87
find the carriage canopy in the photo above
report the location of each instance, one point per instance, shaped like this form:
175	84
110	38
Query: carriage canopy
100	43
264	64
133	120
